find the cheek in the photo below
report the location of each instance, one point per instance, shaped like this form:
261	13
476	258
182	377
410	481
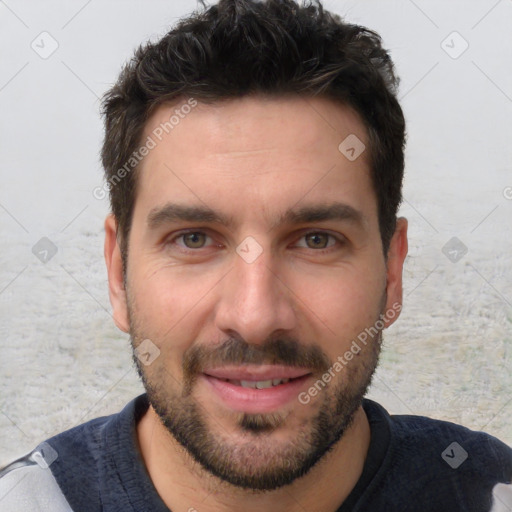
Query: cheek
340	305
338	293
167	303
158	289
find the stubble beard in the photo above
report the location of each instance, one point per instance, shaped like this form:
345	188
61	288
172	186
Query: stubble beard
258	463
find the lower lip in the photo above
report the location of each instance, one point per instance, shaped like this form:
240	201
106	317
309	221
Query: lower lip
255	401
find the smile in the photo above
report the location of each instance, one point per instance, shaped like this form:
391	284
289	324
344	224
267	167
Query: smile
259	384
255	389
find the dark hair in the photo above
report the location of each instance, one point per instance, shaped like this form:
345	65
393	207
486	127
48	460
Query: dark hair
242	47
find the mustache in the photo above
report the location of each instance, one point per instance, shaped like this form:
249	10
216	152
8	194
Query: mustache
282	351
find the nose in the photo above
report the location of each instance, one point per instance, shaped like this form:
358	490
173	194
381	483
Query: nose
255	301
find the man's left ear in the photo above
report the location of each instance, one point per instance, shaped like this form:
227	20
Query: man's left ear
114	262
395	262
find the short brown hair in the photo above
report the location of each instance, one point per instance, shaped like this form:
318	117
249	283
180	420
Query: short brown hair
241	47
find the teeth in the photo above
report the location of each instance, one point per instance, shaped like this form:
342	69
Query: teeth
260	384
248	384
263	384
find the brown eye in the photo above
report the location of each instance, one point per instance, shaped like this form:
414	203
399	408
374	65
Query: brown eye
194	240
317	240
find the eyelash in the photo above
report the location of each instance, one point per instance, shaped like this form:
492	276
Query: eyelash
340	240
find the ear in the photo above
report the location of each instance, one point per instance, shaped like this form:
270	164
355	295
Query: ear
395	262
114	263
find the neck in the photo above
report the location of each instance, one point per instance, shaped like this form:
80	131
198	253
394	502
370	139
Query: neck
184	485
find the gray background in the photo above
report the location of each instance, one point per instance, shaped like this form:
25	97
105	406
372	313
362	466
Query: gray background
62	360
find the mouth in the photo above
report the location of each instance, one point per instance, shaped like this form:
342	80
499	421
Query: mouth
258	384
255	389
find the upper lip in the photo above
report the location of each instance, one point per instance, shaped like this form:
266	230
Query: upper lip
257	372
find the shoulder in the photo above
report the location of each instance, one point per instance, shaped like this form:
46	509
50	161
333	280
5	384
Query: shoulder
27	484
50	477
73	466
456	467
452	445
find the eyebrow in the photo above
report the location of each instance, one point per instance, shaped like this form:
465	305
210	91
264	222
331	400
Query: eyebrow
173	212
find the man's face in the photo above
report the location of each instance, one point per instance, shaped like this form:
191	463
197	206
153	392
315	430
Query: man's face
255	256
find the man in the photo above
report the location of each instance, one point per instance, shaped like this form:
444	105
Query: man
254	158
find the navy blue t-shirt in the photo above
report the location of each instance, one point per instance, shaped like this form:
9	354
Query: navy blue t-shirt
413	463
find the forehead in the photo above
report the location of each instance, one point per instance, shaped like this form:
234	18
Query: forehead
250	122
253	154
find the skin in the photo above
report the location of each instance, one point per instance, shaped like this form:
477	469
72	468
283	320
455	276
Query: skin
253	159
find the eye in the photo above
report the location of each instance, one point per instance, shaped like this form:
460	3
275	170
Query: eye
190	240
194	240
319	240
